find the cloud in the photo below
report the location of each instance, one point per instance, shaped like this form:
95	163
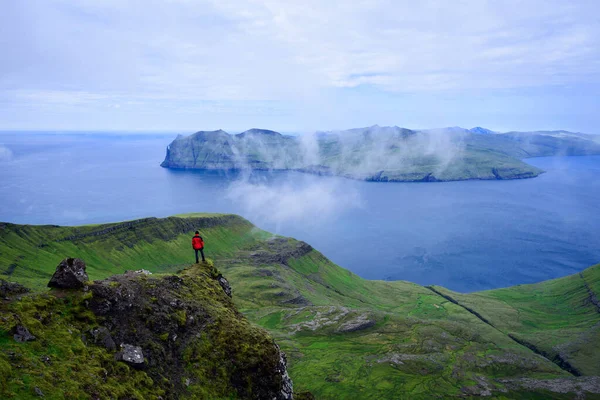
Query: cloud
5	153
172	57
268	49
307	200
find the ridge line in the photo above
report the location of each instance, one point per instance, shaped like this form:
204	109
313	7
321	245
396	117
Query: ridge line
557	359
591	295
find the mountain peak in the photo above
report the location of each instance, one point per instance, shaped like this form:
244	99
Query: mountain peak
256	131
482	131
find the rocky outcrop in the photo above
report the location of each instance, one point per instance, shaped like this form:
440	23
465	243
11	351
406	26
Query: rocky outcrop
183	329
138	335
224	284
341	319
8	289
22	334
362	321
279	250
287	387
70	274
581	386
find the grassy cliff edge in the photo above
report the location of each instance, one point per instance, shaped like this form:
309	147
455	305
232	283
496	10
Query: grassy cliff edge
346	336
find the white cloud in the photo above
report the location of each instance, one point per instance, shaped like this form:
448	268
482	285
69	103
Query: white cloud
309	201
249	50
96	53
5	153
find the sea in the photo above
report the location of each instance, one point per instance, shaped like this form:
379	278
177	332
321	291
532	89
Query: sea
467	236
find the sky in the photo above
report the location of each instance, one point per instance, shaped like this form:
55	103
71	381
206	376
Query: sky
299	66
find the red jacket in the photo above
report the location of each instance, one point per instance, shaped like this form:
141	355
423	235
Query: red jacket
197	242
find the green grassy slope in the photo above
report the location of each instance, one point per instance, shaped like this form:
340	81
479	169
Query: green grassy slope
559	317
344	336
29	254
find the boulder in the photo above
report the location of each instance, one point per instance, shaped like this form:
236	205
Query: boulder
22	334
102	337
70	274
224	284
130	354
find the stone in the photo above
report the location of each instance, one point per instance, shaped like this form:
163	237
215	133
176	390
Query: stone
143	272
102	336
224	284
38	391
22	334
70	274
130	354
287	387
361	322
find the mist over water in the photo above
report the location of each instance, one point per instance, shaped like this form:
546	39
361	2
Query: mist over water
360	152
279	201
463	235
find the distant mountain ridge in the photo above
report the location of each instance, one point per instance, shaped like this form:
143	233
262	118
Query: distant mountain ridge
375	153
481	130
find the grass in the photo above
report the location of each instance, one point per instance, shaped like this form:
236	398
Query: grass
420	345
556	316
58	324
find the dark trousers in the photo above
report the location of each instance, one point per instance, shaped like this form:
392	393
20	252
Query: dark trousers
201	252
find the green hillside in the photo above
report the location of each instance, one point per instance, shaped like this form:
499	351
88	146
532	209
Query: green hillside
346	337
380	153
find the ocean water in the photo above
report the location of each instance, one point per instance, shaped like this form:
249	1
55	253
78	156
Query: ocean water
466	236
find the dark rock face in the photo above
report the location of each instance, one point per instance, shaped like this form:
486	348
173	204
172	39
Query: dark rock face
583	387
280	250
11	288
70	274
287	387
224	284
183	330
22	334
130	354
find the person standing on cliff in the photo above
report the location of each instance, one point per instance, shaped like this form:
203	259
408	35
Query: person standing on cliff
198	245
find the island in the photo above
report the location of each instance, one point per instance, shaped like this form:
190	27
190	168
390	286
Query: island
384	154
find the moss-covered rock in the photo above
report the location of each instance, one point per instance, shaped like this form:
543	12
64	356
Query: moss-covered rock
176	336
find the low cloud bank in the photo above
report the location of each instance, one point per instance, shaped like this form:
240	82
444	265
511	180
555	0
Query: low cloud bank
5	153
310	202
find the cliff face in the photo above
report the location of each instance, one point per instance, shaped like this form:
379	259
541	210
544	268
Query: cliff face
255	148
139	336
